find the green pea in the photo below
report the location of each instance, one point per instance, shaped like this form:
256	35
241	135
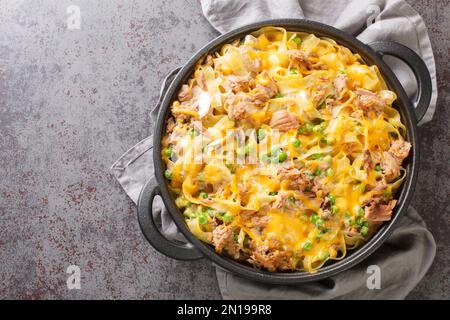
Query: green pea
297	40
343	71
319	128
296	143
227	217
331	198
282	156
309	127
168	174
334	209
361	222
314	218
167	152
293	71
307	245
202	218
361	187
364	231
378	168
319	222
361	211
203	195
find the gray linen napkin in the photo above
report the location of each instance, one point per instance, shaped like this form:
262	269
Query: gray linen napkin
405	257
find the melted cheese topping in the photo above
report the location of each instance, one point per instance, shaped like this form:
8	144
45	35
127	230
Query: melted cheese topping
334	131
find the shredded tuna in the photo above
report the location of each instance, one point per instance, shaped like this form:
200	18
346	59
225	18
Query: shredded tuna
325	207
390	166
201	80
170	125
297	179
369	101
240	84
322	96
283	120
299	58
378	211
259	97
252	65
367	161
287	202
268	90
263	92
318	186
257	221
325	214
238	110
392	159
379	186
209	60
185	93
400	149
340	83
223	239
271	260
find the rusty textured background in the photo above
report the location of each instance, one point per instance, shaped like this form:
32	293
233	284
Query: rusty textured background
72	101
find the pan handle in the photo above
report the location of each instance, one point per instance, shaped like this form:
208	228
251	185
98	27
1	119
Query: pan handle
419	68
151	231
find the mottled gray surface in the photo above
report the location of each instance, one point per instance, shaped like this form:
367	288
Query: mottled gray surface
72	101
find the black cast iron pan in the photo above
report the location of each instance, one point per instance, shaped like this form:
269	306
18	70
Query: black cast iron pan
372	54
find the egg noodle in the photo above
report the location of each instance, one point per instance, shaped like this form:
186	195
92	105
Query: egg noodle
283	150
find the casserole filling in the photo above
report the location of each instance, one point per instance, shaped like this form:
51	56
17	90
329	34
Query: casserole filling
284	150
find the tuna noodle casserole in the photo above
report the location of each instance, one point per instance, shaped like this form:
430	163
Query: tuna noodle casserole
283	150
